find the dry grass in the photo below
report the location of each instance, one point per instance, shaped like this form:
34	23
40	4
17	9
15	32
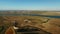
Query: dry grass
53	25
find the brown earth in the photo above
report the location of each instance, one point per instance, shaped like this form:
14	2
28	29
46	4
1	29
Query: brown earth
53	25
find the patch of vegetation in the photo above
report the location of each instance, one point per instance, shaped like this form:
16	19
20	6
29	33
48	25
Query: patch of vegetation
1	28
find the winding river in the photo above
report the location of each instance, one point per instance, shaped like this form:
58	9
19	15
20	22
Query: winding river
30	15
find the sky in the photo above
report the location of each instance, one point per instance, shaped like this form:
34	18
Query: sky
29	4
